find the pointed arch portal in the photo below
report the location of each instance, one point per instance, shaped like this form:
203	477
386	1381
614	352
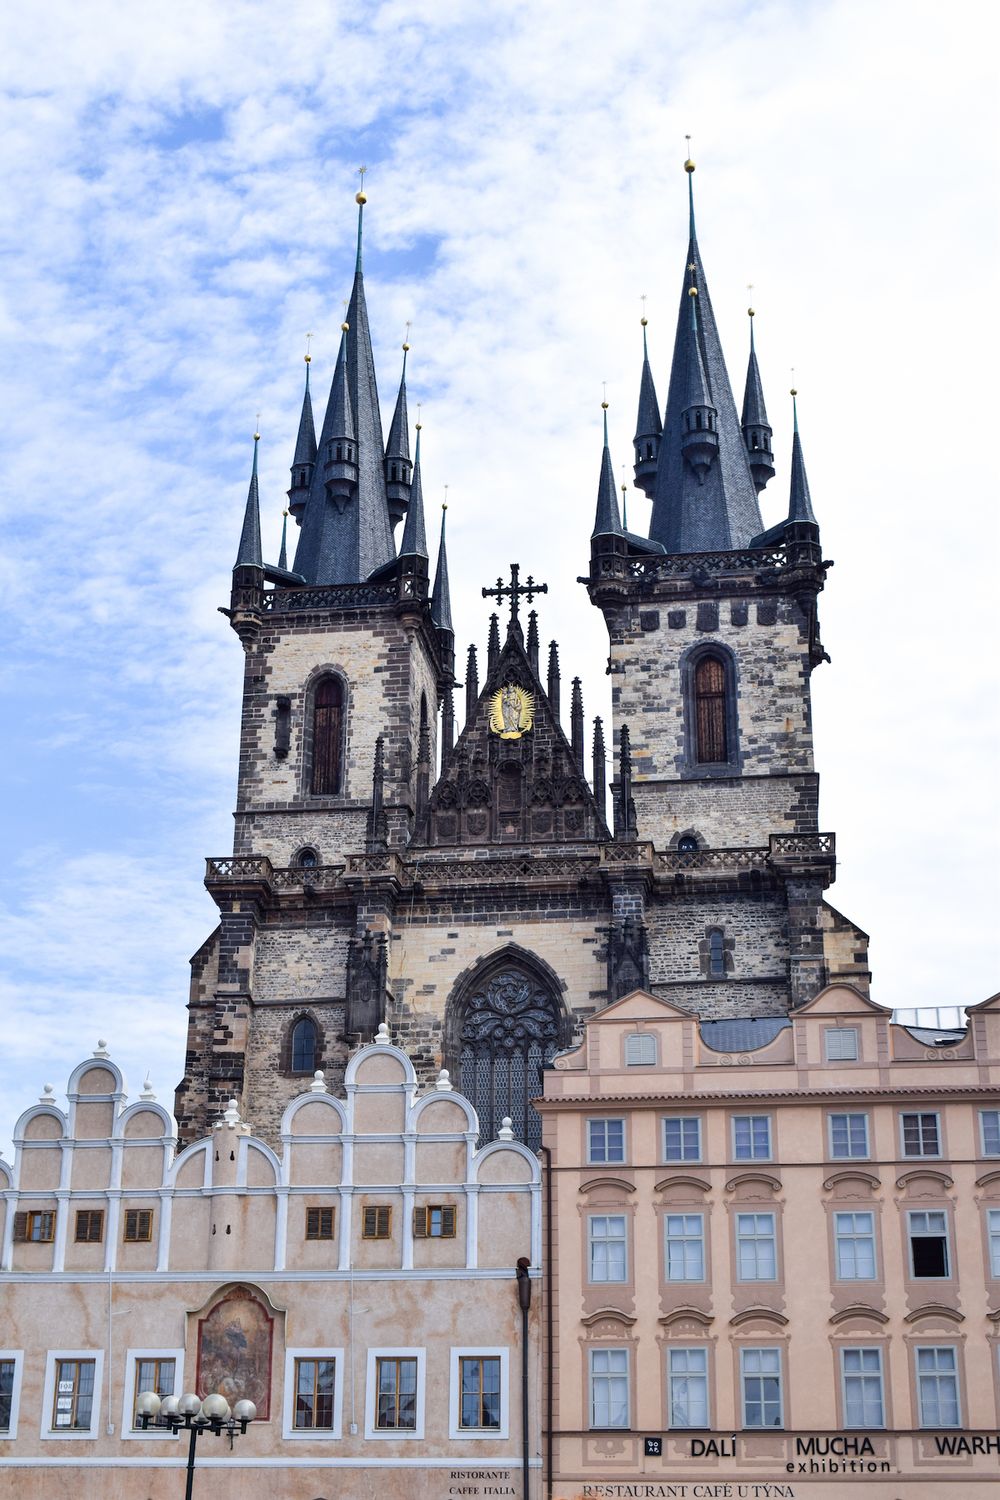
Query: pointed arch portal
509	1026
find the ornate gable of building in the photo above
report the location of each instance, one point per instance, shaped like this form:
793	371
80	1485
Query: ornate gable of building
512	778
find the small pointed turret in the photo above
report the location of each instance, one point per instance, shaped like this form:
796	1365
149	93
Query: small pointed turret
377	832
699	418
471	684
600	770
553	679
283	550
414	543
249	554
756	430
447	726
493	644
398	468
304	461
340	457
625	826
441	608
576	721
648	427
532	643
799	500
607	521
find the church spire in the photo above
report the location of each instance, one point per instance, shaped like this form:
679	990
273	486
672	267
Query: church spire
756	429
704	499
283	550
607	521
249	553
648	426
441	595
398	468
799	501
304	460
414	543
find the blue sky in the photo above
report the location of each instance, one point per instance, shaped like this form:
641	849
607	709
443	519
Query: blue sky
176	212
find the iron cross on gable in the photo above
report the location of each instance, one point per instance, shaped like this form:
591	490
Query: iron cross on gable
514	590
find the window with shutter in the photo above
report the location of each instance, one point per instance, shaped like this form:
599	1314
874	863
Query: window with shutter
89	1226
376	1223
319	1223
37	1227
710	711
327	739
436	1221
138	1225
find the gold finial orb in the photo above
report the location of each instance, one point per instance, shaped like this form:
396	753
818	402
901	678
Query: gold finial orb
406	348
604	406
256	437
360	198
692	291
793	391
750	312
689	165
444	505
419	426
285	513
308	359
644	322
345	327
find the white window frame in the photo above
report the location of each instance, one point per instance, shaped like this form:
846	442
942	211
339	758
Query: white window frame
701	1349
16	1356
316	1434
744	1373
862	1375
769	1156
605	1120
992	1243
129	1431
919	1155
684	1120
849	1114
394	1434
625	1426
477	1434
911	1214
982	1131
684	1239
830	1054
852	1237
633	1037
954	1372
755	1239
71	1434
593	1280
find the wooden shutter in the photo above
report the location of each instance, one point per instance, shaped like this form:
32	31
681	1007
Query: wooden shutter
448	1221
138	1225
89	1226
20	1228
420	1216
319	1223
328	723
710	710
376	1223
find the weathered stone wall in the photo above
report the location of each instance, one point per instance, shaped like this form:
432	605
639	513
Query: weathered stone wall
270	1083
726	813
755	932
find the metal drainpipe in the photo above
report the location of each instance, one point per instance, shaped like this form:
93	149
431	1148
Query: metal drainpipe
547	1291
524	1299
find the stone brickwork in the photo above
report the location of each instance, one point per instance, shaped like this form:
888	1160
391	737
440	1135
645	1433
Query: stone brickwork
756	928
301	963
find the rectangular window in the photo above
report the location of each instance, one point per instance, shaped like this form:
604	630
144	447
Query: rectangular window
682	1138
854	1242
993	1231
752	1137
937	1387
989	1129
609	1387
319	1223
849	1136
396	1395
607	1247
152	1375
73	1399
861	1377
685	1247
928	1242
8	1370
434	1221
315	1393
760	1377
841	1044
921	1136
479	1396
89	1226
756	1250
138	1225
376	1223
605	1140
640	1050
35	1227
687	1387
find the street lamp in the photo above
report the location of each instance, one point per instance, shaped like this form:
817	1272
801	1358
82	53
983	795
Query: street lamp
197	1416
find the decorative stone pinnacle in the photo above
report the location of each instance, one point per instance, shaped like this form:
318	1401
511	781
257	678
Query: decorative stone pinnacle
101	1050
444	1084
382	1037
147	1090
318	1085
47	1094
506	1132
231	1114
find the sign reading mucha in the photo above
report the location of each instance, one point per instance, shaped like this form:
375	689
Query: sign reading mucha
512	711
234	1350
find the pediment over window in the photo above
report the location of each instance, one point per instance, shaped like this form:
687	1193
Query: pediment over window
753	1185
851	1184
607	1320
858	1312
616	1184
935	1312
924	1182
682	1186
686	1320
753	1318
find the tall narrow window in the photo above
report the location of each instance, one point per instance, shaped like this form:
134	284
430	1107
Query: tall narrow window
710	710
8	1369
861	1373
609	1388
73	1400
937	1387
327	746
315	1393
152	1374
396	1391
304	1046
687	1378
716	954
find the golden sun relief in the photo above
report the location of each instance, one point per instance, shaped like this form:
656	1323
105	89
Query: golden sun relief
512	711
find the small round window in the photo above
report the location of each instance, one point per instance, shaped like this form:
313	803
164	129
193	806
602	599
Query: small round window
308	859
688	844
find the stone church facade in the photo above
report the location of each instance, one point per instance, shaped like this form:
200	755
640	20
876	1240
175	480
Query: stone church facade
475	885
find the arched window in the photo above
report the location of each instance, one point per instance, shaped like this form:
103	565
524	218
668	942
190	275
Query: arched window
710	710
716	954
687	844
304	1046
307	859
328	737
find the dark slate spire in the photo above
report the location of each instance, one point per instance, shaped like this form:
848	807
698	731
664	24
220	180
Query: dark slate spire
414	543
717	510
377	832
600	770
493	644
553	679
576	721
699	418
283	551
756	429
625	827
471	684
304	461
532	645
250	554
799	502
441	594
648	427
607	522
346	536
398	468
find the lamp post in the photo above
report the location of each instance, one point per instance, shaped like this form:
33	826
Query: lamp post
197	1416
